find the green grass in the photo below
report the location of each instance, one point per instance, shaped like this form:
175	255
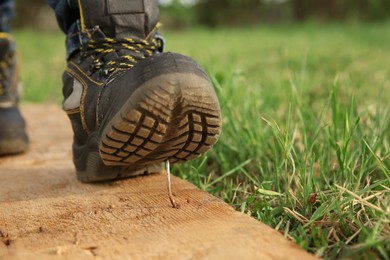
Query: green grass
42	56
305	146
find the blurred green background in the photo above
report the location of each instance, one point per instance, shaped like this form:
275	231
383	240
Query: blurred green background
184	13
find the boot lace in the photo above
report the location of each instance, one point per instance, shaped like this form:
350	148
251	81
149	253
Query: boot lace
113	55
4	67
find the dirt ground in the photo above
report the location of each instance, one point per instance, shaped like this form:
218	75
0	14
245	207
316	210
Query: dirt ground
45	213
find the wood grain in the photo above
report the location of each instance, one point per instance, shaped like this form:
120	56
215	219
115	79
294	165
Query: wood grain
45	213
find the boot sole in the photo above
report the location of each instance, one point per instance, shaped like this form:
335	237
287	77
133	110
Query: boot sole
13	136
174	117
13	146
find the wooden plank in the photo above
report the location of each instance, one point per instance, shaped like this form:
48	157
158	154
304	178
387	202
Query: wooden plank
46	213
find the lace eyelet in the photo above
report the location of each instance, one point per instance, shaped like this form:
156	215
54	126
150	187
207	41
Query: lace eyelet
104	73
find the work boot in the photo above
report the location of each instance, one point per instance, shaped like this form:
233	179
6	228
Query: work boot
132	107
13	138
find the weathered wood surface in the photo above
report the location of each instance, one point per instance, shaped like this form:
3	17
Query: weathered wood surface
45	213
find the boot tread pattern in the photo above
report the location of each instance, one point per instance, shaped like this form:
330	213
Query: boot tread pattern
164	126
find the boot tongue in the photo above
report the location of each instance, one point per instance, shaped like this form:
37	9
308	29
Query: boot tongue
121	18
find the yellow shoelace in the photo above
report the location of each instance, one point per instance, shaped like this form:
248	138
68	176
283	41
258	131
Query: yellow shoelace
4	66
128	51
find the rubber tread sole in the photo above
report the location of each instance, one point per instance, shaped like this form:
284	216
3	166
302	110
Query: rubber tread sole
13	146
174	117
